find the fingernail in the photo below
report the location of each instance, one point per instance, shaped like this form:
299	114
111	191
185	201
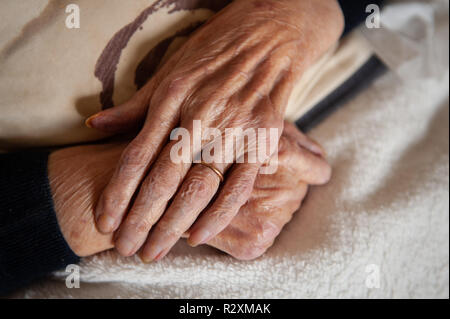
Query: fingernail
161	255
124	246
89	120
153	253
199	237
106	224
143	258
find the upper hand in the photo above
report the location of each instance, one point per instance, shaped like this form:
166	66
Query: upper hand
236	71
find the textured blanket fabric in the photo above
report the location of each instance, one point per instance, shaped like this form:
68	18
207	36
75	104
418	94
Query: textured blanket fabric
386	209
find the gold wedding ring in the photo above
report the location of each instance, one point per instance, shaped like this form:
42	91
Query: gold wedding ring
215	170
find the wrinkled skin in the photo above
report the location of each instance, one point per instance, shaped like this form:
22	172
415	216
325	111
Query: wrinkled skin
238	70
78	175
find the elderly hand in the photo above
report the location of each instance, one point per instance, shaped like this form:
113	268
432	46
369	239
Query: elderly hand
77	176
236	71
275	197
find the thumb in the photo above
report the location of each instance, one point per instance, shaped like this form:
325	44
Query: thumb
125	117
121	118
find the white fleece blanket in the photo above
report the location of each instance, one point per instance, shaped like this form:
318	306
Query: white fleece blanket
384	215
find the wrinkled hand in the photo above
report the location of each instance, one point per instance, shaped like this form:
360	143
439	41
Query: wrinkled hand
275	198
77	176
236	71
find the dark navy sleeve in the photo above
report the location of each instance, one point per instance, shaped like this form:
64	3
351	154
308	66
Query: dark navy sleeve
31	243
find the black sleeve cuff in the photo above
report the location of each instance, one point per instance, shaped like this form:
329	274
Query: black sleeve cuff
31	243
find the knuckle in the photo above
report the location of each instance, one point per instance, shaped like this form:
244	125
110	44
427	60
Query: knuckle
112	205
267	233
249	251
149	189
217	223
261	230
165	166
140	224
134	157
161	183
170	229
196	187
219	214
154	188
175	85
218	219
238	194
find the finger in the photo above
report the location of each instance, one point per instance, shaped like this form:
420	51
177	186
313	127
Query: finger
267	78
291	131
235	193
198	188
156	191
257	225
312	169
158	188
163	115
126	116
118	119
131	169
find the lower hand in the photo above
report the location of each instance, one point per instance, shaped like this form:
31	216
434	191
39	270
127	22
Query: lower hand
77	176
275	198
